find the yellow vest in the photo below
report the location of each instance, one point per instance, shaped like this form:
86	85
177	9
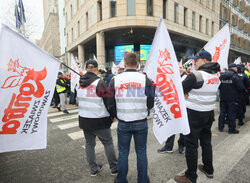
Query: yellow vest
60	88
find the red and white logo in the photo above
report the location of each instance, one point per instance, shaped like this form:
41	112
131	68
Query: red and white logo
29	82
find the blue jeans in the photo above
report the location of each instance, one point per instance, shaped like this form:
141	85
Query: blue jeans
139	130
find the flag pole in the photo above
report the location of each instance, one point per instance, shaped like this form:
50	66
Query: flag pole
70	68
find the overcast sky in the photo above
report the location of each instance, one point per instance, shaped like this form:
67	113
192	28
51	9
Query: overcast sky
33	12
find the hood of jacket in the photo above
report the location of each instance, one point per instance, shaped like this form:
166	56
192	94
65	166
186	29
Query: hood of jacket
227	74
87	79
211	67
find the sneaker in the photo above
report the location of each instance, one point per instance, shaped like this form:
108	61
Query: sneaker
182	179
201	168
114	173
234	132
100	167
164	150
58	108
181	150
65	111
241	123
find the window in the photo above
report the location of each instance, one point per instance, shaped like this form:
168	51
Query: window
206	26
87	20
81	2
150	7
131	7
164	8
200	23
207	4
92	17
82	25
112	8
185	16
176	13
99	6
193	20
212	29
213	5
71	11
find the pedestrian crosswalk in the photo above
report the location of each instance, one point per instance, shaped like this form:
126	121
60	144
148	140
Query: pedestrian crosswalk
68	123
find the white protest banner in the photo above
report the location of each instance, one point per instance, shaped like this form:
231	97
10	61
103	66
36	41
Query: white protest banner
219	46
115	68
74	77
27	81
238	60
170	116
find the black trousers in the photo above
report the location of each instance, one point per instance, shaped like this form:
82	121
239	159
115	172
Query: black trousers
170	142
200	128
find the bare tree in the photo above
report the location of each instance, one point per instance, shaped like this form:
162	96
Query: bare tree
31	27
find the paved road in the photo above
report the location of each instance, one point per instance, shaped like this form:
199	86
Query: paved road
64	159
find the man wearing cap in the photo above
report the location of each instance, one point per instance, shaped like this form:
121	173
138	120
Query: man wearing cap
200	89
62	85
132	95
231	89
94	118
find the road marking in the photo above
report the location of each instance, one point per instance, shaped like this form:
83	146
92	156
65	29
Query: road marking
68	125
79	134
76	135
61	113
63	118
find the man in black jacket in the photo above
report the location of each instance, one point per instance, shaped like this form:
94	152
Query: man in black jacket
231	89
200	89
94	118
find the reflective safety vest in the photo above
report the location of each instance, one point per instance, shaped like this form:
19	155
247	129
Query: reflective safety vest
204	99
90	105
131	101
59	88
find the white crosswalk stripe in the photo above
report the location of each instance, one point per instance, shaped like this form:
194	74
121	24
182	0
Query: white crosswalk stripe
70	122
60	113
68	125
64	118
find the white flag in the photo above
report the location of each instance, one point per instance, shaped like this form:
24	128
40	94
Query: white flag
238	61
27	80
219	46
170	116
74	77
115	68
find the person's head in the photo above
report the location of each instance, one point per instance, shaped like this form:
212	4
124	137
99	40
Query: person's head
92	66
181	68
120	70
60	75
201	58
102	72
130	61
233	67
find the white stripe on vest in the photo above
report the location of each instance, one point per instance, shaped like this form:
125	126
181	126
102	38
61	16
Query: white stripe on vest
90	105
131	101
204	99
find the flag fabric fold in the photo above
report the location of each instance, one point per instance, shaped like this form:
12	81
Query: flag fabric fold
238	60
74	77
27	82
219	46
170	115
22	14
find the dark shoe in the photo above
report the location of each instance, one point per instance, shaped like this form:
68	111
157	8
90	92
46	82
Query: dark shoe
221	130
181	150
241	123
58	108
114	173
100	167
65	111
182	179
201	168
164	150
234	132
